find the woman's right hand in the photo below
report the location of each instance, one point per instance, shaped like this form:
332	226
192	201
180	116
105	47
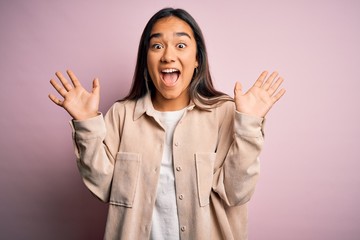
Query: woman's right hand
78	102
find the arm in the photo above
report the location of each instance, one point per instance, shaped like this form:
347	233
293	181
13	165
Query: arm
241	140
235	180
97	141
95	158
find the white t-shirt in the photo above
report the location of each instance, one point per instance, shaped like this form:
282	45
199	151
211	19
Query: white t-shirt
165	221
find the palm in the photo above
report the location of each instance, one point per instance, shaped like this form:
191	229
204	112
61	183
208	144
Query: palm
259	99
78	102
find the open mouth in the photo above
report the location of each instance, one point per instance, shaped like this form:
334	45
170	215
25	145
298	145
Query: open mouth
170	76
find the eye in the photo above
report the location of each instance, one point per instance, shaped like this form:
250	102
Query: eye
181	45
157	46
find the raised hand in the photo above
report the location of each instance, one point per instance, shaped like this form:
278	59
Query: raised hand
259	99
78	102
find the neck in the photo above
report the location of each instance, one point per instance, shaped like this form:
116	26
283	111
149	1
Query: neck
163	105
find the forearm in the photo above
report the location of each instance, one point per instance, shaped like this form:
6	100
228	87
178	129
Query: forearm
237	178
94	161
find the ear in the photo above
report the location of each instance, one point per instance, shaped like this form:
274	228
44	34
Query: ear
196	64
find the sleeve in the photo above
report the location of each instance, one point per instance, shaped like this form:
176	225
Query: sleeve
239	146
96	141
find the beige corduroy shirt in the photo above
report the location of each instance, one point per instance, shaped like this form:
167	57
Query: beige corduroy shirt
215	160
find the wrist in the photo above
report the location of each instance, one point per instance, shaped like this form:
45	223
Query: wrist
81	117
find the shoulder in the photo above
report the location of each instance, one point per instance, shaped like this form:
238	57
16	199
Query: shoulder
120	107
224	112
124	104
220	112
221	102
225	108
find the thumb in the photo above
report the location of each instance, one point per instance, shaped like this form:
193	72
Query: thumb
237	89
96	86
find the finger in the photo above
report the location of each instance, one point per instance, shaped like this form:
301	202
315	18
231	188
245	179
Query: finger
58	88
260	80
237	89
274	87
96	86
270	80
277	96
73	78
55	100
63	81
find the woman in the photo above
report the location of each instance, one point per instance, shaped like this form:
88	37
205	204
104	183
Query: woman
175	158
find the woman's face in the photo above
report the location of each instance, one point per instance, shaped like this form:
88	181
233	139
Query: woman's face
171	61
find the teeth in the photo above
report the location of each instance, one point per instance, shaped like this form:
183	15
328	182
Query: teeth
171	70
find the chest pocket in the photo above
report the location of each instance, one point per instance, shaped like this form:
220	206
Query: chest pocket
125	180
204	174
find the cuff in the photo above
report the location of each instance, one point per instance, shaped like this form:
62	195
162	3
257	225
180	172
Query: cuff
89	128
249	126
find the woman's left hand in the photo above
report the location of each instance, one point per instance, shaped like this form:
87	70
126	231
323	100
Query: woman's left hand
259	99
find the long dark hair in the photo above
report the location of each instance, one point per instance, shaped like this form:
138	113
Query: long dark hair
201	87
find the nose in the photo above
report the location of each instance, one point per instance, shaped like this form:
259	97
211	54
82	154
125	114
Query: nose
168	55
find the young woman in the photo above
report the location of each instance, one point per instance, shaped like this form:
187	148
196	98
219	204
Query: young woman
175	158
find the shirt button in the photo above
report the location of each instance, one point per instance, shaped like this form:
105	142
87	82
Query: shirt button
178	169
176	144
183	228
181	197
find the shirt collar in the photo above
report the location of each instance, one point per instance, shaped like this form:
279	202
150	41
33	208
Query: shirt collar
144	105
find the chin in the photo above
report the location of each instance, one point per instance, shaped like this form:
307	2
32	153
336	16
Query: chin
170	96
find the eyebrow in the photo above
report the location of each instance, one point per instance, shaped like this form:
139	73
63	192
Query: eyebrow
178	34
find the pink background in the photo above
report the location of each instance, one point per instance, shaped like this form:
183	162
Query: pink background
309	186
